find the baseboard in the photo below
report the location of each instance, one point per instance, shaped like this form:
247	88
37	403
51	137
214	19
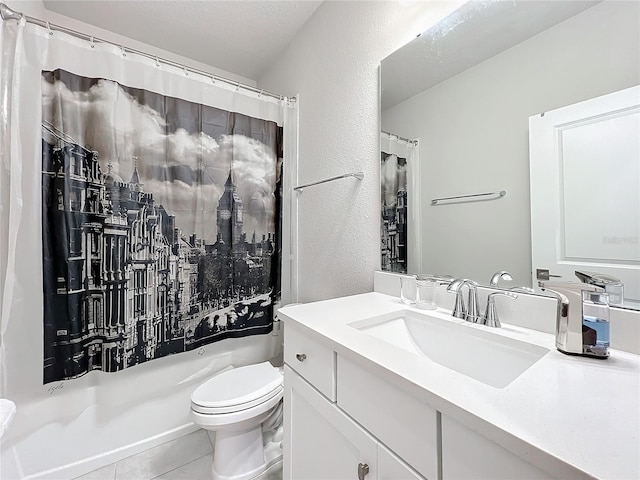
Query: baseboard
82	467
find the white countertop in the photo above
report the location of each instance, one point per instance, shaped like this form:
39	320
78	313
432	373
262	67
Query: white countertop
570	416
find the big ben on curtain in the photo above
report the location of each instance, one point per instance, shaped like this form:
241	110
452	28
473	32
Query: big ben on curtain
229	215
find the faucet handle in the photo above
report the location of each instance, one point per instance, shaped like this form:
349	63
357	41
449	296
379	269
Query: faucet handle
491	314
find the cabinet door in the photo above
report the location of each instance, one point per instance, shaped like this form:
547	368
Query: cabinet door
466	454
321	442
390	467
408	426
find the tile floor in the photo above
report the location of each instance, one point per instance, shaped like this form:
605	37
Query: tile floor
185	458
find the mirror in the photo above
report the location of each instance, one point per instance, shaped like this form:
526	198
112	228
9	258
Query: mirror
466	89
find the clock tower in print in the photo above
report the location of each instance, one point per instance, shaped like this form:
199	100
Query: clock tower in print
229	216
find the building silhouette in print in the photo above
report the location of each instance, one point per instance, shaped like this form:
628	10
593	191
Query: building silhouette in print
394	234
122	285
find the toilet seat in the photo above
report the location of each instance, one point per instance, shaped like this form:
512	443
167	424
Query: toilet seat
236	408
239	389
238	419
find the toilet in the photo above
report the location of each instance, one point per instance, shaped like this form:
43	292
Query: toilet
243	406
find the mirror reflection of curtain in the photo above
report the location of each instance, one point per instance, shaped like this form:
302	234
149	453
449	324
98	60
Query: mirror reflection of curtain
396	154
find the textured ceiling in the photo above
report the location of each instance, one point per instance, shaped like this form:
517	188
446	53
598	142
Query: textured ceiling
238	36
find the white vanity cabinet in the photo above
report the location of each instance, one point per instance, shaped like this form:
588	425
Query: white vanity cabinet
345	420
321	441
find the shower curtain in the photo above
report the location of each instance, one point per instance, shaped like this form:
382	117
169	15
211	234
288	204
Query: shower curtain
10	185
399	200
143	214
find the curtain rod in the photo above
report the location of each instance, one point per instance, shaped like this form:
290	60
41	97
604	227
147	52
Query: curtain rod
408	140
8	14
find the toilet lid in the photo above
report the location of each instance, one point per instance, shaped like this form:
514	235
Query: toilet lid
238	386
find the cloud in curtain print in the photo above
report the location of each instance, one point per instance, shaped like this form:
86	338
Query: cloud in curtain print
393	177
185	170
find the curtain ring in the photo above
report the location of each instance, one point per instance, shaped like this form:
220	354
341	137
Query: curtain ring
184	69
213	78
238	87
124	52
260	93
49	29
157	62
91	44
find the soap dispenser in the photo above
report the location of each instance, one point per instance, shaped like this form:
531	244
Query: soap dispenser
582	323
612	285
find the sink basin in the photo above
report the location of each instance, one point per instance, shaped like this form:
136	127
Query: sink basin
475	352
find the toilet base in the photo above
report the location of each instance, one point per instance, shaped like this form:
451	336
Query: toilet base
274	472
238	455
273	450
245	455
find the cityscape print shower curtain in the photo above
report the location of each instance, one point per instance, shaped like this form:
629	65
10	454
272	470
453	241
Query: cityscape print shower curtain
160	224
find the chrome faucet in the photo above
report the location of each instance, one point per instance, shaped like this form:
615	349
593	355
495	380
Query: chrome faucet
470	313
498	275
459	310
490	318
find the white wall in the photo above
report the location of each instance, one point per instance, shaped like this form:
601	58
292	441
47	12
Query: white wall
474	135
333	64
36	9
65	429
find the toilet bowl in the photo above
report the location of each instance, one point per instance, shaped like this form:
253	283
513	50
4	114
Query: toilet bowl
234	405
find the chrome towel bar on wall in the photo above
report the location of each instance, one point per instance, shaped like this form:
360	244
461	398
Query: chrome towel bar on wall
476	197
358	175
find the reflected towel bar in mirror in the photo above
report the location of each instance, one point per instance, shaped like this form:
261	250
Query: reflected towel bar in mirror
469	198
358	175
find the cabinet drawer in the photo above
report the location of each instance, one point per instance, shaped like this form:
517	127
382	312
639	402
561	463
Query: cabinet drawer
408	426
312	360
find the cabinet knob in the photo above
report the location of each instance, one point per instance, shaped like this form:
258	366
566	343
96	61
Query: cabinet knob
301	357
363	470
